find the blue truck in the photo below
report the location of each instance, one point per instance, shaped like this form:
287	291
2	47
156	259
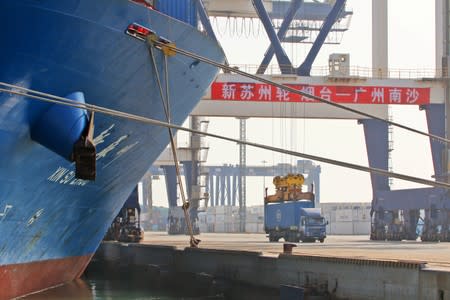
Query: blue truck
290	213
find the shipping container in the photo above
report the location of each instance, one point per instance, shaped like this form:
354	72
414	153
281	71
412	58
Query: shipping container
253	218
285	215
203	227
347	218
251	227
258	210
361	213
260	228
231	218
219	227
202	218
183	10
210	219
220	218
344	215
235	209
340	228
360	228
232	227
327	218
220	210
330	216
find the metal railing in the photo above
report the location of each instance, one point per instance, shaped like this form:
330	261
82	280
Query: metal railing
356	71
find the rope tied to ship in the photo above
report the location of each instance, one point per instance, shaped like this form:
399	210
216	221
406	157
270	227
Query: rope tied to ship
229	69
165	98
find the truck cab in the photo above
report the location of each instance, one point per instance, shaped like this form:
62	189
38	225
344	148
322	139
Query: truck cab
312	225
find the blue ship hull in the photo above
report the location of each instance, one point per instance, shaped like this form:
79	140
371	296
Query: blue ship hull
50	222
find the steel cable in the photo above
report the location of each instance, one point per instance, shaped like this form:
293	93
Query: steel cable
165	98
30	94
292	90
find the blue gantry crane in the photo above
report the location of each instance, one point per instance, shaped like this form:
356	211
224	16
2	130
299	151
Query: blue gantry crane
396	214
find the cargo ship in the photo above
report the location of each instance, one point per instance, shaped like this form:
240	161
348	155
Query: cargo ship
65	174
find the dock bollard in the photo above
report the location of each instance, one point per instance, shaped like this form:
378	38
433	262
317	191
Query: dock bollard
287	248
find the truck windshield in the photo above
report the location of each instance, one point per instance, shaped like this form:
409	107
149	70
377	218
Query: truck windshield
316	221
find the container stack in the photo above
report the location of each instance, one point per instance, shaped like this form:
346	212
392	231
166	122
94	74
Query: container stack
226	219
255	219
347	218
343	219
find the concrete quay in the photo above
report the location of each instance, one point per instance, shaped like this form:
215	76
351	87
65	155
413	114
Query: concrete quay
345	267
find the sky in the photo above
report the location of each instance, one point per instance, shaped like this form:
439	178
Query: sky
411	46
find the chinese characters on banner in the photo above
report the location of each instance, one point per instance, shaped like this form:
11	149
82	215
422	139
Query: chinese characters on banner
339	94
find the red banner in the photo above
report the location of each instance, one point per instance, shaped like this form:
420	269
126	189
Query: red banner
235	91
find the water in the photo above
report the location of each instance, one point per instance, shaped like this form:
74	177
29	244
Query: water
121	281
108	289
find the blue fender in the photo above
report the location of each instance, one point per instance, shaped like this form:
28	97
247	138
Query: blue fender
61	126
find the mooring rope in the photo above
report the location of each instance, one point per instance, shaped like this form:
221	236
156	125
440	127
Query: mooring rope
31	94
294	91
166	104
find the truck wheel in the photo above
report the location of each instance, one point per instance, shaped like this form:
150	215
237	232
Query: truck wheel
291	237
321	240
